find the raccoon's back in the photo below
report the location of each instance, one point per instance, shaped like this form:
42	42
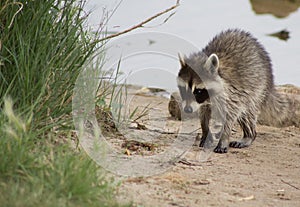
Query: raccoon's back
243	60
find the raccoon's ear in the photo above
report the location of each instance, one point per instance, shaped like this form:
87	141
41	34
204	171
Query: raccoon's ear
181	60
212	63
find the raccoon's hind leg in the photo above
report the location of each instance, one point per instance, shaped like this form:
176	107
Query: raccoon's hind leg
247	123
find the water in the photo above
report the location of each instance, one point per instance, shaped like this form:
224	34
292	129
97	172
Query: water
196	22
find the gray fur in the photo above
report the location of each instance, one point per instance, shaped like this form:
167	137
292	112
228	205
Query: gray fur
237	72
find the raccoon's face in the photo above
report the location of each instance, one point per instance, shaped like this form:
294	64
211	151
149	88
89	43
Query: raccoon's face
192	89
192	94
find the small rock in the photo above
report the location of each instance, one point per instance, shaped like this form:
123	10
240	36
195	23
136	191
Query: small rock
282	35
175	107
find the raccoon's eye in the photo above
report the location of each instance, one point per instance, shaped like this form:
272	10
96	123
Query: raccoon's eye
197	91
201	95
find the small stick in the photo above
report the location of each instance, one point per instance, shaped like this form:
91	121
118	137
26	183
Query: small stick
290	184
165	132
142	23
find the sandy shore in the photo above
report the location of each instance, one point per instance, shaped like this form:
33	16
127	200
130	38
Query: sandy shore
265	174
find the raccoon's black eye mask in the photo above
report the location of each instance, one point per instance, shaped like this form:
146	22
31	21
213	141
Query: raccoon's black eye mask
201	95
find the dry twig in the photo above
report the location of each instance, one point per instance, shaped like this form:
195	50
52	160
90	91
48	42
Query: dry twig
143	22
290	184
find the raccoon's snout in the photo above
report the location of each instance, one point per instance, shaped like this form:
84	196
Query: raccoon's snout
188	109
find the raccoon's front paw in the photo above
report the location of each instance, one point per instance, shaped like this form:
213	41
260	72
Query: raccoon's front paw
207	141
220	149
202	142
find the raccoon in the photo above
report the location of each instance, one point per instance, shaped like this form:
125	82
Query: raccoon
232	76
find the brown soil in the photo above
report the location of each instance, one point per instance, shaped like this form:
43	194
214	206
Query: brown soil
265	174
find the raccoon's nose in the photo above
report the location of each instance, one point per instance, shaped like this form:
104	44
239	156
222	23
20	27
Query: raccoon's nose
188	109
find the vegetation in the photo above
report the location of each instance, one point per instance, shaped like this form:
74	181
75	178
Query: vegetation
43	46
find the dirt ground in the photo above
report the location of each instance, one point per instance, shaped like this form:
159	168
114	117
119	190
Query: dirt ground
266	174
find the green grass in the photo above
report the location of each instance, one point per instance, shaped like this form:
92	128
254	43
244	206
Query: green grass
43	46
44	174
43	49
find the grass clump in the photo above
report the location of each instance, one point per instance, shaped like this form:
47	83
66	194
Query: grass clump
43	46
42	174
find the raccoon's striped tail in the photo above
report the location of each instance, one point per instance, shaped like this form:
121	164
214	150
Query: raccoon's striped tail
277	111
